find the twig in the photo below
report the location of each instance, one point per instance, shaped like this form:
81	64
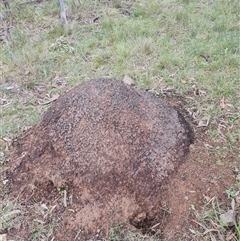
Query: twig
62	11
5	39
79	231
5	2
65	198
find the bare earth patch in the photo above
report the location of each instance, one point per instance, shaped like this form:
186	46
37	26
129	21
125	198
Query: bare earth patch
210	170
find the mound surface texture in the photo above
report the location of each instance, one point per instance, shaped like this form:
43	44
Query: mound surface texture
110	146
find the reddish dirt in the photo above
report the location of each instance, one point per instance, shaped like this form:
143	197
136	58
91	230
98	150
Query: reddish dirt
200	177
204	175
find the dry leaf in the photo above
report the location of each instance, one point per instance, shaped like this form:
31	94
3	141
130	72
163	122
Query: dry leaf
207	198
5	181
3	145
9	87
204	121
237	192
222	103
3	237
39	221
208	146
44	206
192	231
183	81
233	204
7	139
27	73
228	218
203	35
128	80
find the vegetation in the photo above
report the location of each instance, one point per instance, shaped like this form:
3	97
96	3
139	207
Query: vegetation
190	47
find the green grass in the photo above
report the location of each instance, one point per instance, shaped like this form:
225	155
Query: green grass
172	41
177	40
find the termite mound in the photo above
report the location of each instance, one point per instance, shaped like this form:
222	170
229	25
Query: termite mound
110	146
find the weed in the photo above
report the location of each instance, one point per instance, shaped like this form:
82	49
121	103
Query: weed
62	45
230	193
61	191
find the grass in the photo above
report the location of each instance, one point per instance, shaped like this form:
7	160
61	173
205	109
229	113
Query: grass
212	226
190	46
11	216
8	214
162	43
119	233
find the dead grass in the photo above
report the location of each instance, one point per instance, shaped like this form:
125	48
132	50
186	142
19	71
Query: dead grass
121	233
219	221
13	217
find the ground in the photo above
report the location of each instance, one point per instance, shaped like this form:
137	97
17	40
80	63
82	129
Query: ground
202	178
185	52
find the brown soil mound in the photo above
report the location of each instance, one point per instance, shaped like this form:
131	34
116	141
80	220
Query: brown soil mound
110	146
